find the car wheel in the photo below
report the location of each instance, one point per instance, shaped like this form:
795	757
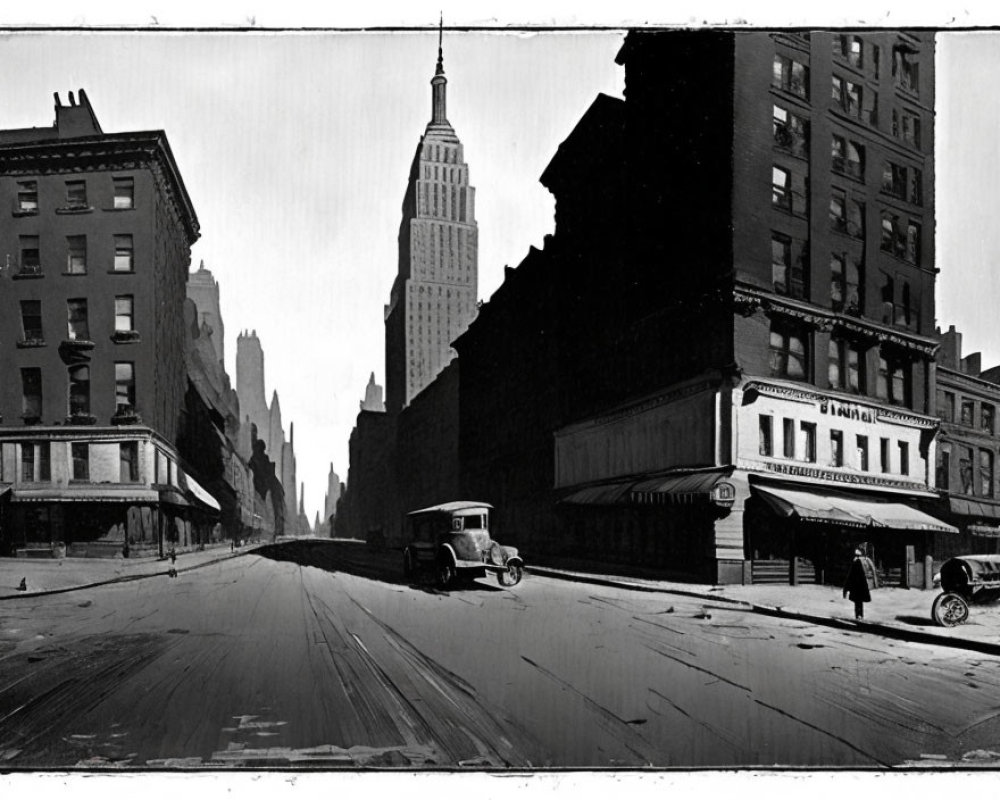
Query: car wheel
949	609
511	576
408	566
446	573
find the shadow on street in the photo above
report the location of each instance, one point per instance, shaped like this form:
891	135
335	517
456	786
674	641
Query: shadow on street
360	560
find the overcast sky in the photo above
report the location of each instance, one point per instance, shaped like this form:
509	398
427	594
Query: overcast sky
295	148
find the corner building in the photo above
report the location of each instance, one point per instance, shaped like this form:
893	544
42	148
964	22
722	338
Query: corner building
433	297
96	248
750	394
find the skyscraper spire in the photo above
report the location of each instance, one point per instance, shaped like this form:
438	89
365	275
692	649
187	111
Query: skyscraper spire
438	83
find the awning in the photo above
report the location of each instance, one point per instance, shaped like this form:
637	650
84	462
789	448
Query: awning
173	498
697	487
605	494
973	508
851	511
199	493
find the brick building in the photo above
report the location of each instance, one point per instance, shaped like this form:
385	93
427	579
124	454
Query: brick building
722	361
95	252
968	445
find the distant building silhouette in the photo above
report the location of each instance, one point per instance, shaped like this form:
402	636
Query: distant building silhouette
373	396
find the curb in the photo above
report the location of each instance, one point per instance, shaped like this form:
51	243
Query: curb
877	628
121	579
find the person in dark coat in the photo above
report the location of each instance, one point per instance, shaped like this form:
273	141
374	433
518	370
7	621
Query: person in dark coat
861	579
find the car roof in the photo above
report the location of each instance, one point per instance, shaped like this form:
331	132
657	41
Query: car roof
450	508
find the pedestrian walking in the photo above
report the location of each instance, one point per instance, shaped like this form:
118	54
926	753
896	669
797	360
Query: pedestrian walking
861	579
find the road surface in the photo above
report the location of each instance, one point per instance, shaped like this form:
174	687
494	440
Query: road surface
302	658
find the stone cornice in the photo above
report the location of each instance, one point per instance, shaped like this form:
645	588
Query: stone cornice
145	149
747	300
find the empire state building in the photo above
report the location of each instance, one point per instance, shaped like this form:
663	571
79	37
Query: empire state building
433	298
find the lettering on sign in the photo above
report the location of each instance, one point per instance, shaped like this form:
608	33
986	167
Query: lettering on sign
841	477
846	410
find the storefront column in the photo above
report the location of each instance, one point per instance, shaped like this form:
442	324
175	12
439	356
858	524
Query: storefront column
728	561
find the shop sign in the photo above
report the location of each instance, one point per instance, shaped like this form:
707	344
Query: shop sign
846	410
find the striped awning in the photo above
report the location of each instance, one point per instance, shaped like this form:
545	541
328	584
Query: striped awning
849	510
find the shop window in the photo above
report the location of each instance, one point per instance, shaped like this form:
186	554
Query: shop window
80	452
862	448
36	462
124	192
31	394
809	441
883	455
31	321
789	358
765	427
27	462
904	458
791	76
968	412
944	467
836	448
788	437
129	461
986	473
987	416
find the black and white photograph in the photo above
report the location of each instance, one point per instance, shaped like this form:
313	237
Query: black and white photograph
441	393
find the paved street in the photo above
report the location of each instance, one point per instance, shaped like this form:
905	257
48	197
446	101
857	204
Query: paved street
306	659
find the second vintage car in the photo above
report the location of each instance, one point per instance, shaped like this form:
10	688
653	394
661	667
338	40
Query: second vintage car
453	539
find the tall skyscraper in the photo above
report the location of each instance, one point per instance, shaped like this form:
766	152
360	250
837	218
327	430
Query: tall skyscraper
433	298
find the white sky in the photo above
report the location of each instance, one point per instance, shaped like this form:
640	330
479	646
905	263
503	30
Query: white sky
295	148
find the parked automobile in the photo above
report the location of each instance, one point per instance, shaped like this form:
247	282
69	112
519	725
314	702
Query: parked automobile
965	581
453	539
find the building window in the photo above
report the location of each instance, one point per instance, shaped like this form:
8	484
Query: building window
124	319
845	283
79	390
901	238
787	275
849	96
124	193
912	243
36	463
31	394
883	455
765	426
27	196
904	458
76	255
788	438
968	412
862	445
846	361
791	76
129	460
124	386
788	352
965	470
76	194
81	460
809	441
31	320
905	69
781	189
836	448
124	261
944	467
893	379
791	132
31	263
986	473
948	407
906	126
987	416
78	328
848	157
847	215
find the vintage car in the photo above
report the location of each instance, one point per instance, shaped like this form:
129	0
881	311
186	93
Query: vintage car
965	581
453	539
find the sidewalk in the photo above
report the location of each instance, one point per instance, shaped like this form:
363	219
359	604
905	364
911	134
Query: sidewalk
895	613
52	575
